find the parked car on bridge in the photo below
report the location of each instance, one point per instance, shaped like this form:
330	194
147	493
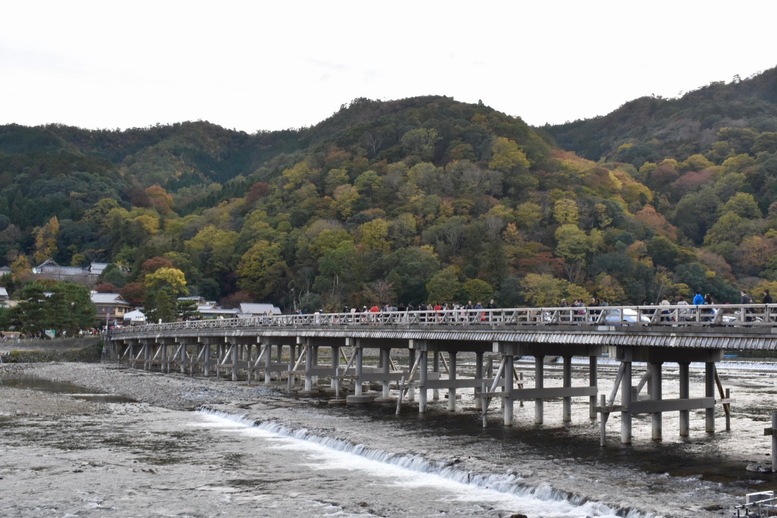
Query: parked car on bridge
617	316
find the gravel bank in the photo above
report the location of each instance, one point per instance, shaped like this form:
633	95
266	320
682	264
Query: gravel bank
171	391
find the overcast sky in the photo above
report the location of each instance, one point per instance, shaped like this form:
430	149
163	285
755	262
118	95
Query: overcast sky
269	65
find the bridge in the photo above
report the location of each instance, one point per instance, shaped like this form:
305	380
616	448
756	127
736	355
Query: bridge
389	356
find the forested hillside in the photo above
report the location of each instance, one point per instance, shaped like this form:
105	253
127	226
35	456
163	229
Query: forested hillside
411	201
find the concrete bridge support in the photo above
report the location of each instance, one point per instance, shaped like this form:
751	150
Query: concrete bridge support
267	348
423	380
385	363
452	377
478	375
309	356
182	356
566	411
335	381
508	400
539	384
685	421
411	361
593	382
656	405
206	354
626	401
655	395
709	391
436	370
357	388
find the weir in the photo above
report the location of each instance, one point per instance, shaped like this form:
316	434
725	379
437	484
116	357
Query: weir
386	358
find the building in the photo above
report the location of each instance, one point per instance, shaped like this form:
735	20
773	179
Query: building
253	309
135	317
85	275
210	309
111	308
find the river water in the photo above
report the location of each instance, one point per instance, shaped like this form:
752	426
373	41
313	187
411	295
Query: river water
282	457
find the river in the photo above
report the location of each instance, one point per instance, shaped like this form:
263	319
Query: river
281	457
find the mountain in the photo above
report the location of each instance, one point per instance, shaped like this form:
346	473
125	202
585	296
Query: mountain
410	201
652	128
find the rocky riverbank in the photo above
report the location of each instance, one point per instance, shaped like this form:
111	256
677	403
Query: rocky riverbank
171	391
80	349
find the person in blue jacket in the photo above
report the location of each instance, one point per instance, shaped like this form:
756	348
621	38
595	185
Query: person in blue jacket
698	300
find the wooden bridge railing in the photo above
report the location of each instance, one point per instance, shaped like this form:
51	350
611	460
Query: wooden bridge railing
708	315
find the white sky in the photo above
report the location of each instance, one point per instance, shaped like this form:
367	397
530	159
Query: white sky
268	65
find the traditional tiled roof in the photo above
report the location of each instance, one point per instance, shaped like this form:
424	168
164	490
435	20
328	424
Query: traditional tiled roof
252	308
107	299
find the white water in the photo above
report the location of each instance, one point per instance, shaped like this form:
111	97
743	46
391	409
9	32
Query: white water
389	473
283	457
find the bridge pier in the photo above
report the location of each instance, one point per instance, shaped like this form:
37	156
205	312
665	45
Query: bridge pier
436	371
539	384
566	413
478	376
385	364
182	354
267	350
655	405
509	394
626	401
593	381
452	378
334	383
685	421
655	395
709	391
206	353
411	361
308	368
508	401
146	355
423	379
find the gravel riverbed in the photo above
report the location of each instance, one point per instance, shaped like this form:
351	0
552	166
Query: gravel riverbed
173	392
148	454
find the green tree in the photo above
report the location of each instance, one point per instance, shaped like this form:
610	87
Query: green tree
166	277
508	157
410	269
730	228
572	245
161	305
60	306
420	142
565	212
262	272
542	290
477	290
444	286
743	205
187	309
46	240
